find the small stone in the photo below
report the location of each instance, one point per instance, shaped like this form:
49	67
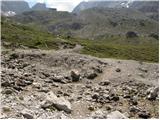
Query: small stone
6	109
95	96
118	70
8	91
134	100
99	114
48	81
5	84
141	75
91	108
134	109
18	88
36	85
14	56
144	114
109	107
143	70
115	98
104	83
55	85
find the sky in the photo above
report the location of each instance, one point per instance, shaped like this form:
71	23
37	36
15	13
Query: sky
61	5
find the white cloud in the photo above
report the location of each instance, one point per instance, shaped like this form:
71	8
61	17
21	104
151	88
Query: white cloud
63	5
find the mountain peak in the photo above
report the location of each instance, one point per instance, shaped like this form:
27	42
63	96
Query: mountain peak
40	6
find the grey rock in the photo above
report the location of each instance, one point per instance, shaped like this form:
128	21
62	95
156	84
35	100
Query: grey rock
134	100
58	102
152	93
116	115
5	84
95	96
108	107
99	114
143	69
27	115
134	109
118	70
104	83
8	91
144	114
75	75
91	75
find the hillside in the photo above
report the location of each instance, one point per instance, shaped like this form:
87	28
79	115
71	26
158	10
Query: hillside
15	6
149	8
99	4
109	21
141	48
39	6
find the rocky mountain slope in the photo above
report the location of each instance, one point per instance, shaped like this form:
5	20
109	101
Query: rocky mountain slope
150	8
15	6
19	7
64	84
109	22
39	6
99	4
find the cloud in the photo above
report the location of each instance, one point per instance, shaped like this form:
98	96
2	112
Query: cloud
61	5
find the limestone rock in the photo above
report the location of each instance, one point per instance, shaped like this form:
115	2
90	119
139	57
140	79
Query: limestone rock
116	115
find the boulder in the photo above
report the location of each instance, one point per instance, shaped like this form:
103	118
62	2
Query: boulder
26	114
152	93
91	74
75	75
116	115
59	103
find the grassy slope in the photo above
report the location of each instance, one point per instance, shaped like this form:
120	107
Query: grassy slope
27	36
142	48
104	49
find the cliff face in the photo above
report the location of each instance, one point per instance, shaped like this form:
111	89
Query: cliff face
15	6
18	7
39	6
98	4
150	8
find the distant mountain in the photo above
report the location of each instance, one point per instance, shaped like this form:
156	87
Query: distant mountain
14	6
11	8
39	6
99	4
91	23
150	8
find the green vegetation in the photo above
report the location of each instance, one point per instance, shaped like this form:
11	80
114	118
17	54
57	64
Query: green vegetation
18	34
142	48
110	49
